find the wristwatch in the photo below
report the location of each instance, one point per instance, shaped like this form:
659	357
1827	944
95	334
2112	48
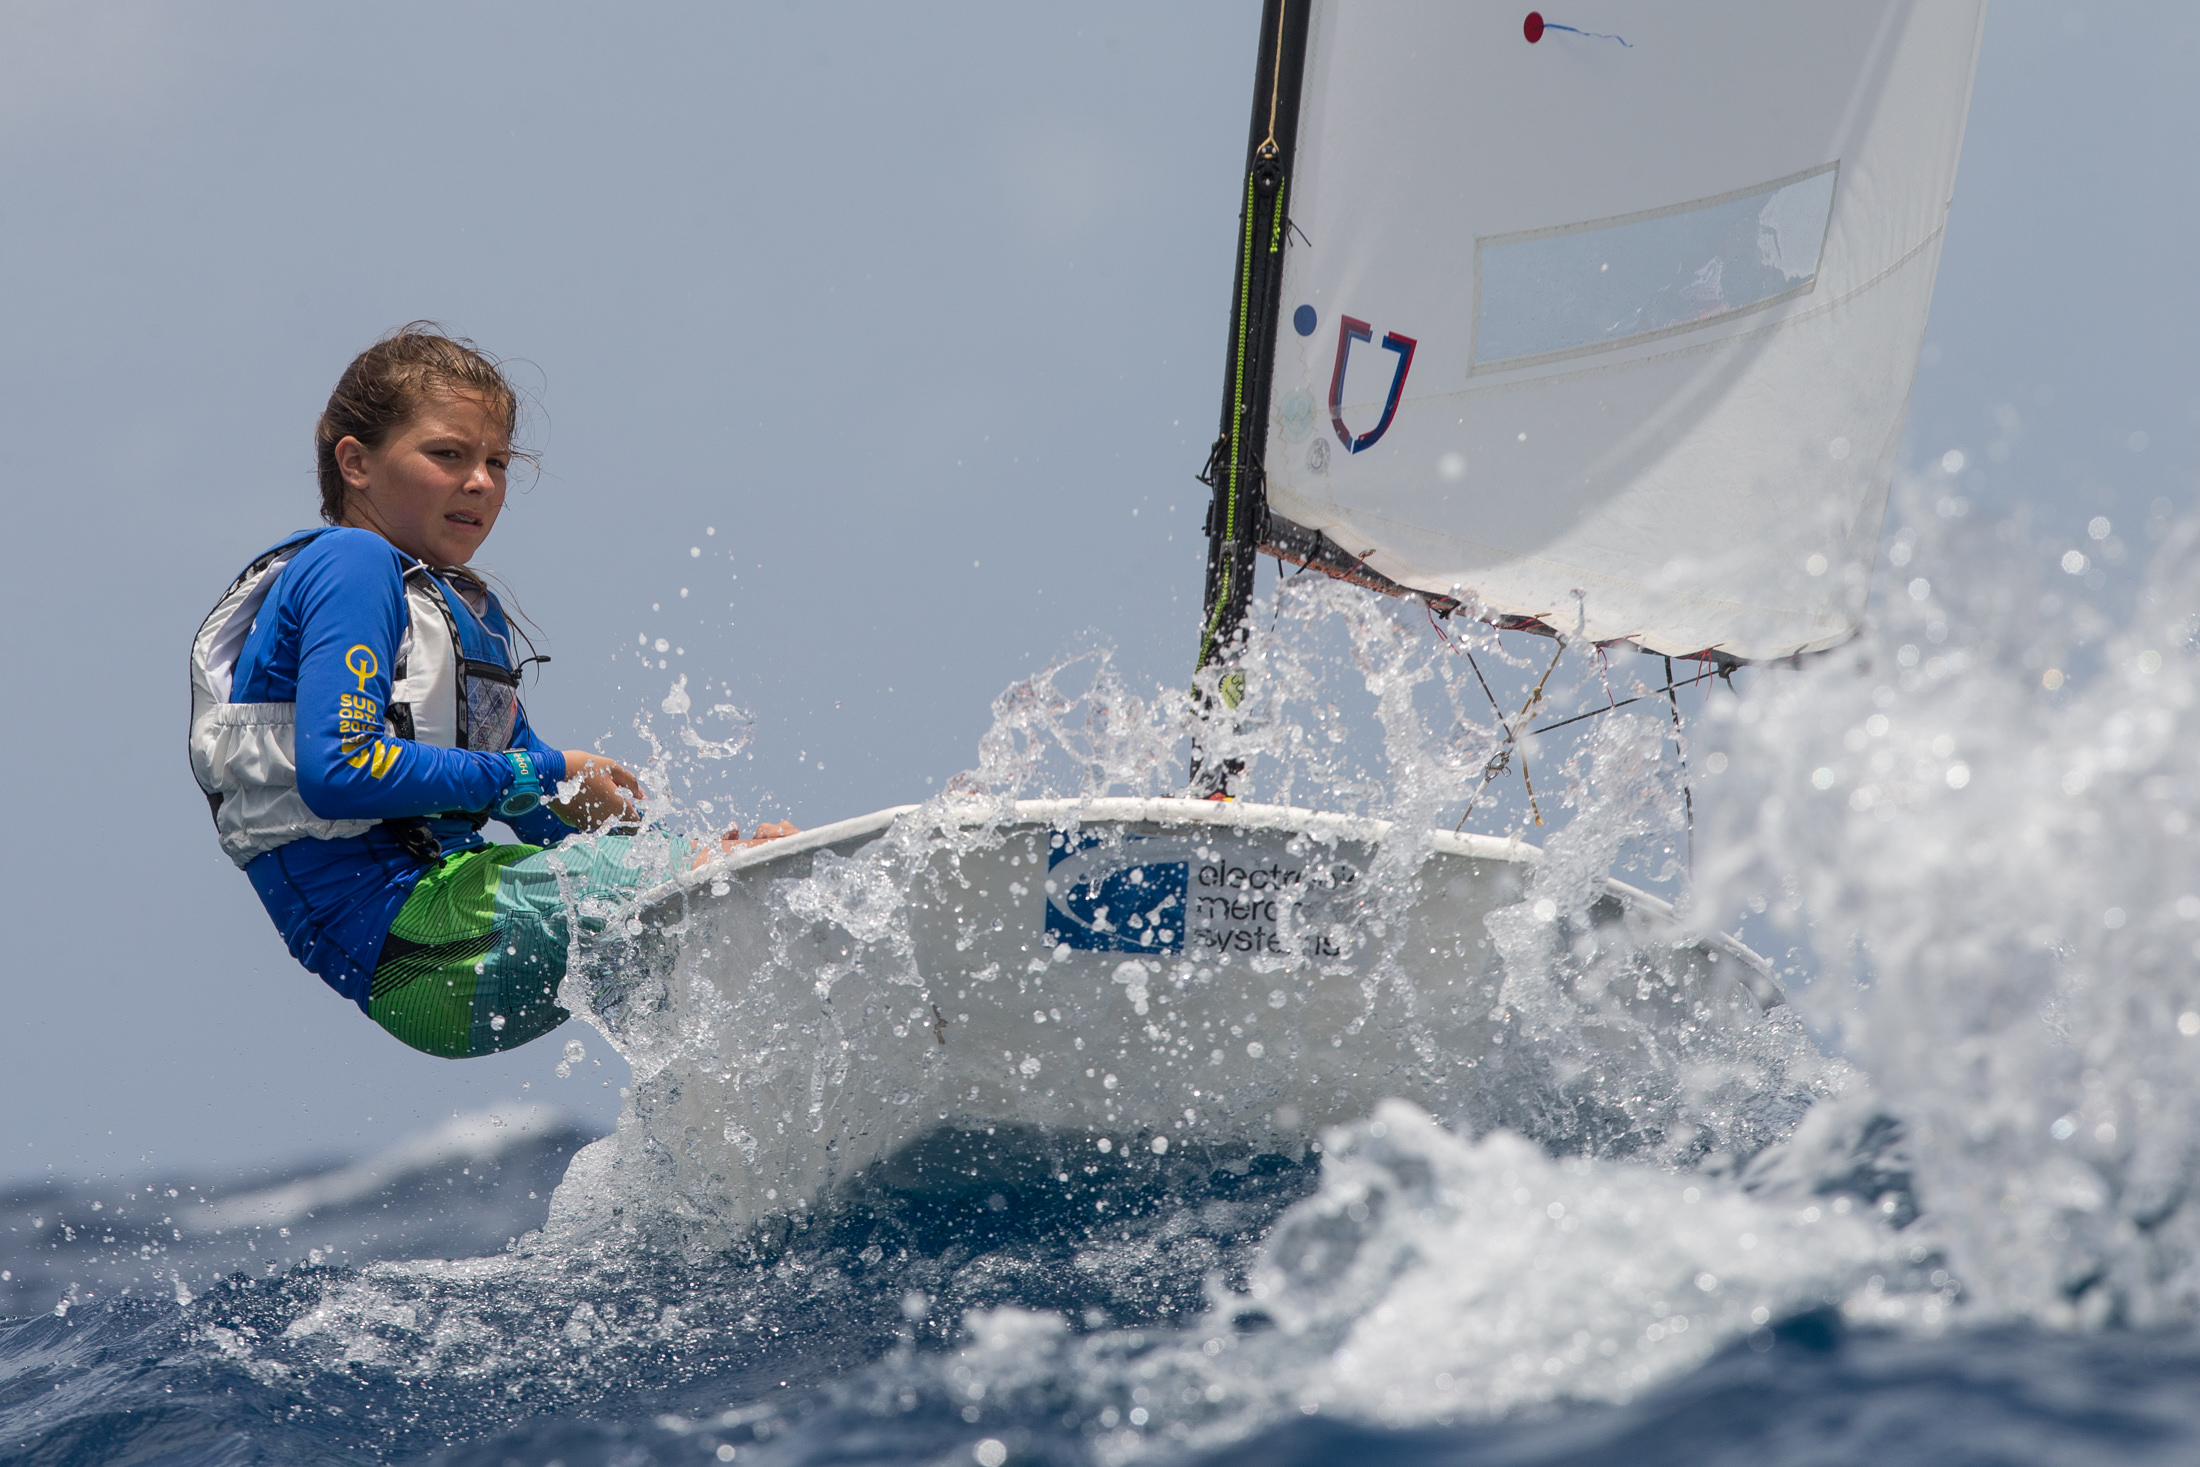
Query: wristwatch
526	790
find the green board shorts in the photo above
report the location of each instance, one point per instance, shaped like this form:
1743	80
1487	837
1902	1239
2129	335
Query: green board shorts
473	962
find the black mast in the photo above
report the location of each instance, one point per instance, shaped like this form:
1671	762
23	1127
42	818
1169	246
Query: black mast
1237	512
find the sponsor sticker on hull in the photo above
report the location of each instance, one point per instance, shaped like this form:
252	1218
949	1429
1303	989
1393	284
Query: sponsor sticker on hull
1133	893
1114	896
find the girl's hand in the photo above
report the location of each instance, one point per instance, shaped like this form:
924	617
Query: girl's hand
605	795
731	841
769	830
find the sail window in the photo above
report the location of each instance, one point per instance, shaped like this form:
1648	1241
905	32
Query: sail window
1552	293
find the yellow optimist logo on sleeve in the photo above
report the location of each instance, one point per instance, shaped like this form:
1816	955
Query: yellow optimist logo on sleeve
363	664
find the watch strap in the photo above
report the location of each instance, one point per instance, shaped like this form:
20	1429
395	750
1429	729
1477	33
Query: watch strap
525	791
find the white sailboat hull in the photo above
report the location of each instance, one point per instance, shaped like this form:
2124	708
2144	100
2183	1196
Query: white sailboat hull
1148	973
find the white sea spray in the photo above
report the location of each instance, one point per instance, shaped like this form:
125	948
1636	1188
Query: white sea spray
1977	822
1433	1278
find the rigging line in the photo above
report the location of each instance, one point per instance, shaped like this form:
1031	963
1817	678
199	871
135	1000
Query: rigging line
1622	703
1688	796
1268	147
1535	700
1485	682
1495	764
1503	757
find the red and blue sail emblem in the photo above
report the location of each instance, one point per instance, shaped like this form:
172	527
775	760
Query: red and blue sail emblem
1349	330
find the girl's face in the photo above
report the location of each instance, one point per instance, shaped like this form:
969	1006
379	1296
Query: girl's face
435	486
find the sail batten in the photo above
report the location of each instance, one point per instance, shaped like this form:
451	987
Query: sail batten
1615	339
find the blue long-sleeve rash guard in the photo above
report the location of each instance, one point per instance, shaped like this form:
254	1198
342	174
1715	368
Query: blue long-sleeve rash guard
334	900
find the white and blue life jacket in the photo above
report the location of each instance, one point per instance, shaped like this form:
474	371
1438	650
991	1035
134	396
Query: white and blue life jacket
453	684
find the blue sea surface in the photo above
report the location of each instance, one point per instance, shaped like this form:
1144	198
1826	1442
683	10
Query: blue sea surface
834	1343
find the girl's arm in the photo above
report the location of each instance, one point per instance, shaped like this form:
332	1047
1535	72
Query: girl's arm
347	609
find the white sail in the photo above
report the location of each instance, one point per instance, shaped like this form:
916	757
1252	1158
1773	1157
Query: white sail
1615	329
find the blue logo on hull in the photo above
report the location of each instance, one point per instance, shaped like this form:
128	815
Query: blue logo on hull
1110	901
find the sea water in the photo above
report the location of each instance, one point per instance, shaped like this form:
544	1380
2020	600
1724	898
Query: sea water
1965	1235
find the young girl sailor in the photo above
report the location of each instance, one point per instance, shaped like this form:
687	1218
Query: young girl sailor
355	721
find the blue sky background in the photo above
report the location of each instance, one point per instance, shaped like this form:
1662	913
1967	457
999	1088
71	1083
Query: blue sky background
922	310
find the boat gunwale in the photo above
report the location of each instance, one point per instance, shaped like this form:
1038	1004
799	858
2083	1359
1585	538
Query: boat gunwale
1758	979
